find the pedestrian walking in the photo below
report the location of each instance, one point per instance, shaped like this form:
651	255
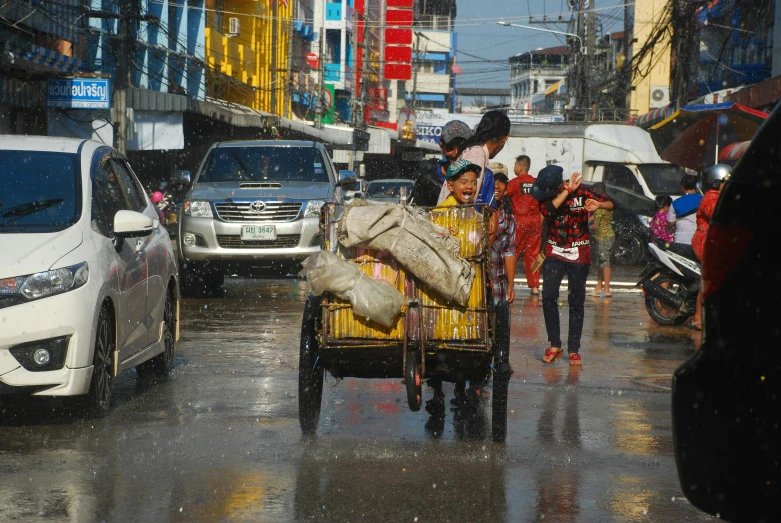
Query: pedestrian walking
682	215
425	192
713	180
567	252
660	227
528	220
601	228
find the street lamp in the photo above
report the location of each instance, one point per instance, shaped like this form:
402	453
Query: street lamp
508	24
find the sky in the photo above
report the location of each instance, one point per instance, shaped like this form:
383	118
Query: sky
479	34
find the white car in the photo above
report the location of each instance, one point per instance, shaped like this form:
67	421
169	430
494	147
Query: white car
88	281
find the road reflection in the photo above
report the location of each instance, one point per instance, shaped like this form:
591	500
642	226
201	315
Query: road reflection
558	430
345	480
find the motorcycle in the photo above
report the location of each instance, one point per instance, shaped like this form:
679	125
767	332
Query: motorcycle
165	200
670	283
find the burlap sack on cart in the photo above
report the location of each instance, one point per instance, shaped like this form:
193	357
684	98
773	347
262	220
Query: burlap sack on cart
371	298
424	249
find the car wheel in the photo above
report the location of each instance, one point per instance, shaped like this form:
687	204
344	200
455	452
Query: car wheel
98	400
629	249
162	364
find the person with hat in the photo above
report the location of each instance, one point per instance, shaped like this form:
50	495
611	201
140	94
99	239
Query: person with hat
428	186
565	205
528	234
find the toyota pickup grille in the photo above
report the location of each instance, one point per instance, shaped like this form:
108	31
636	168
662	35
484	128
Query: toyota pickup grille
272	212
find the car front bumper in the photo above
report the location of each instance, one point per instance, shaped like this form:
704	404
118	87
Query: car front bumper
69	314
221	241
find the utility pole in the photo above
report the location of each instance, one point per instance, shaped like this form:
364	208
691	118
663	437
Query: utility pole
416	66
321	67
122	73
288	81
591	46
580	76
358	19
274	50
626	69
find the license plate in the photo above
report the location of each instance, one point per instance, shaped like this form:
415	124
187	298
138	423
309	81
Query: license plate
258	232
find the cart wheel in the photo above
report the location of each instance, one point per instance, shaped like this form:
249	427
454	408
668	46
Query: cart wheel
502	372
310	370
414	381
499	409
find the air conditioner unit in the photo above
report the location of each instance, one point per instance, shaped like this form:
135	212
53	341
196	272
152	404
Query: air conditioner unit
233	27
660	96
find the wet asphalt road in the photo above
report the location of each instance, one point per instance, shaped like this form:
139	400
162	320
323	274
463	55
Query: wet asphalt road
220	439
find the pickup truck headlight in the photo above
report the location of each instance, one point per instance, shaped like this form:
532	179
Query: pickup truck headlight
645	220
313	208
42	284
199	209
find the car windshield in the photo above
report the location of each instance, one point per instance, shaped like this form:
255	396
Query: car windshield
386	189
39	191
663	178
265	164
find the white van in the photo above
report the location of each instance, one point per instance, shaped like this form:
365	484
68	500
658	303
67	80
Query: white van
617	154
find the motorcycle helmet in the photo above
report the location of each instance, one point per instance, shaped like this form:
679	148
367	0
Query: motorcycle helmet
716	175
157	197
548	181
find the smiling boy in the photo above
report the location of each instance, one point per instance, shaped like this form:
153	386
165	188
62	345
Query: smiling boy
461	180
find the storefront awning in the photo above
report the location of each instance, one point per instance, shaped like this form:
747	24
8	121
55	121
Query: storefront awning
40	59
553	88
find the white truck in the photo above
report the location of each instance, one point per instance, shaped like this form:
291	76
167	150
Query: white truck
617	154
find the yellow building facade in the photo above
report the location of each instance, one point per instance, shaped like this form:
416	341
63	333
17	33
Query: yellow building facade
648	14
240	43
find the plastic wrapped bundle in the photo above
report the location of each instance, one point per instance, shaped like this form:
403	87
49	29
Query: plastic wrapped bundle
426	250
376	300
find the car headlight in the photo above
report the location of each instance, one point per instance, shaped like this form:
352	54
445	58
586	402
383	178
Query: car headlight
313	208
645	220
199	209
20	289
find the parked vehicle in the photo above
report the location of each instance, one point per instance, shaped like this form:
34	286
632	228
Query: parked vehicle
255	205
631	223
388	190
88	281
725	398
357	189
670	283
619	155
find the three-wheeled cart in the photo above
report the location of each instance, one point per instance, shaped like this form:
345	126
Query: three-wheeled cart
430	338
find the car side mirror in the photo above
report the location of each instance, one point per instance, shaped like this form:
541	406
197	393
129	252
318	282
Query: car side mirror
130	224
346	178
181	178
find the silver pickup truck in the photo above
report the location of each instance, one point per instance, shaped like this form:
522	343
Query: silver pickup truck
255	205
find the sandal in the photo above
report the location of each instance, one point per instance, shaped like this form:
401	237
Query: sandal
575	359
695	325
551	354
592	292
535	291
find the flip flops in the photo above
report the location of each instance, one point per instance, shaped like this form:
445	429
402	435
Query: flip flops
593	292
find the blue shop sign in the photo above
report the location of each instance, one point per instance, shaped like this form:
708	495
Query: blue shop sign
78	93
